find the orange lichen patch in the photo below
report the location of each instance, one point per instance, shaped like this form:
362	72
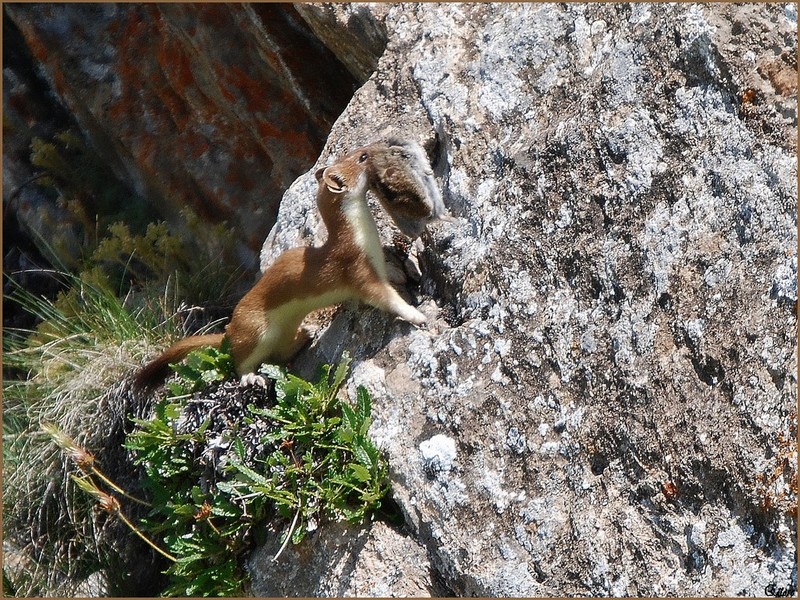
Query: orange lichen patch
135	28
176	106
59	83
176	64
213	16
35	45
145	150
116	110
252	90
196	144
240	176
227	94
267	130
749	96
129	65
297	141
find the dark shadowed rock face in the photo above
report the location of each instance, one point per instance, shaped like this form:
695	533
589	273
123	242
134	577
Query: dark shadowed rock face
355	33
29	111
216	107
605	402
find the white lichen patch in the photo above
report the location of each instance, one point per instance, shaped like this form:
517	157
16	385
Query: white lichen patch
438	453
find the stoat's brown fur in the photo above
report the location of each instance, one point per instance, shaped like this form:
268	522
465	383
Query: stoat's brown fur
265	326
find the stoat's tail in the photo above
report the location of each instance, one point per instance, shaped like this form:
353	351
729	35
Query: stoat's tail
156	371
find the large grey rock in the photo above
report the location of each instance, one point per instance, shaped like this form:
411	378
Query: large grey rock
604	401
354	31
341	560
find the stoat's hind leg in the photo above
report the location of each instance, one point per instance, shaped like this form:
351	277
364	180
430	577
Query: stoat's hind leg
301	338
249	379
385	297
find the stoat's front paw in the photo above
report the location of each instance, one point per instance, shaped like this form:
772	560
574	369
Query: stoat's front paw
417	318
249	379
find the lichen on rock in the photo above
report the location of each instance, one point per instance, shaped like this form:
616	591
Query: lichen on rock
612	349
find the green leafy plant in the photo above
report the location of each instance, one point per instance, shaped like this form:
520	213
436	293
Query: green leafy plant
204	533
80	180
201	368
200	266
329	468
315	464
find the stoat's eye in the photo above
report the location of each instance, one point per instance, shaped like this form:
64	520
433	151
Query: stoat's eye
364	156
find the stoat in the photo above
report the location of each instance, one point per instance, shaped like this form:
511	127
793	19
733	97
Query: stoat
265	325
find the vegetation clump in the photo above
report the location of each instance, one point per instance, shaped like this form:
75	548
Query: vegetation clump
189	481
70	372
294	451
104	490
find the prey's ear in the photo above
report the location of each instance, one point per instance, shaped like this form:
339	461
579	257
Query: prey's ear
391	176
333	179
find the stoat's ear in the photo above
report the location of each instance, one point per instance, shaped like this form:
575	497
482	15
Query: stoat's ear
333	179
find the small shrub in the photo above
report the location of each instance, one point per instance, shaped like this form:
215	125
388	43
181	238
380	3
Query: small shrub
81	181
315	463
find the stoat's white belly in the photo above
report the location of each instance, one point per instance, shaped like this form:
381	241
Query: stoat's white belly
283	323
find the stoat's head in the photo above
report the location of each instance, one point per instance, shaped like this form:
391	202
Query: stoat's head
347	175
399	174
401	177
